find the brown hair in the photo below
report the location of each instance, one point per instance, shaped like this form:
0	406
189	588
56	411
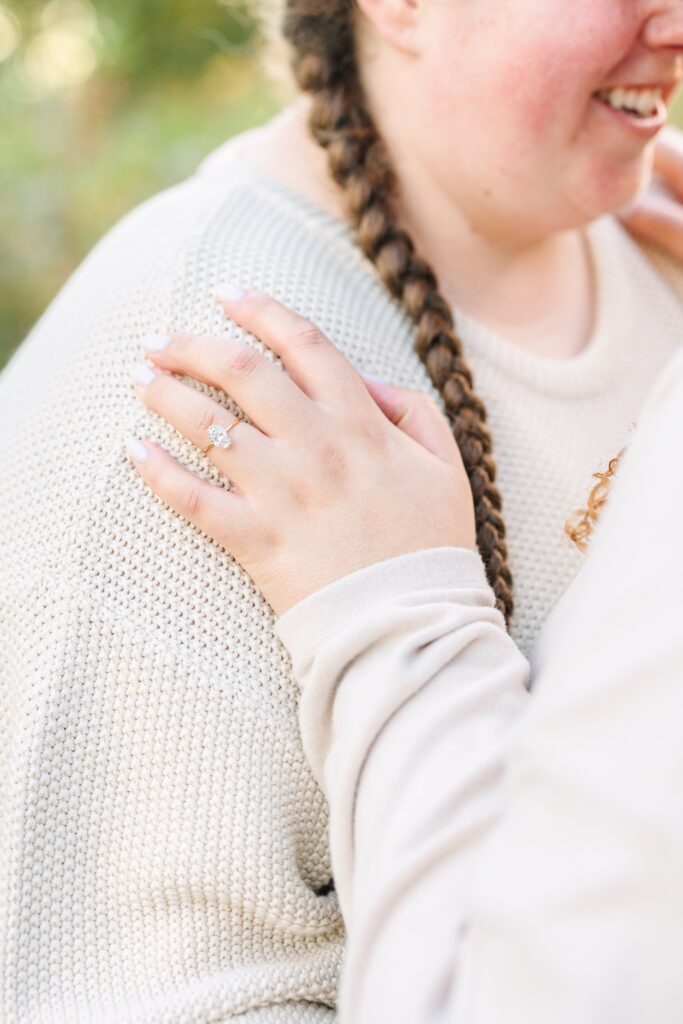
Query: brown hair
321	35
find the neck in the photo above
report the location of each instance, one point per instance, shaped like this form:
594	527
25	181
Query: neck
535	292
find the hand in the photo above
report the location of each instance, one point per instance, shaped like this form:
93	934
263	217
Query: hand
657	215
325	479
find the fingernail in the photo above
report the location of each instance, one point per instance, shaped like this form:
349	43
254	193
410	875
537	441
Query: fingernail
372	376
155	342
230	292
142	374
136	449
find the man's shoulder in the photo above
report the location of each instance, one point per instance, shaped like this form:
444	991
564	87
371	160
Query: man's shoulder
166	218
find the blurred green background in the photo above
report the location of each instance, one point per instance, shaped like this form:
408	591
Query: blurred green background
103	103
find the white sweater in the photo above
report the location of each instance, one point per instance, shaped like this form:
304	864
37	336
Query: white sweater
502	858
163	836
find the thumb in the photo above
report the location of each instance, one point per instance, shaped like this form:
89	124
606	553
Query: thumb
657	219
417	415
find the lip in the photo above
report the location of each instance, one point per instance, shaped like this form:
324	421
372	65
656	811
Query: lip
643	128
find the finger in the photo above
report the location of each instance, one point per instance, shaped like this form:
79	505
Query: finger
668	159
418	416
222	514
267	395
192	413
658	219
313	362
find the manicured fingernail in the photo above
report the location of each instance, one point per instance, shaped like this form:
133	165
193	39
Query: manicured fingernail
142	374
155	342
372	376
230	292
136	449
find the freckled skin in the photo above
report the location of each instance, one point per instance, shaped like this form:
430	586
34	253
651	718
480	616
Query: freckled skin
505	109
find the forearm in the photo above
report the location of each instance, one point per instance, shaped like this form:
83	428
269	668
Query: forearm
409	682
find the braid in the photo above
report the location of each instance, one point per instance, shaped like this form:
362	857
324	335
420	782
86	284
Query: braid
324	63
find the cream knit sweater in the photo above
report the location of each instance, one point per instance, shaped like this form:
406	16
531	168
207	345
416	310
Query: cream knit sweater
163	838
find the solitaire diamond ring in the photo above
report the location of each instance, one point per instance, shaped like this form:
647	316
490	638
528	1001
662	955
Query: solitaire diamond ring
218	436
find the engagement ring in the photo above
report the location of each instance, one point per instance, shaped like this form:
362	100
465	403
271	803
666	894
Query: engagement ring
218	436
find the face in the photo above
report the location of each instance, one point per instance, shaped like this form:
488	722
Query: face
540	110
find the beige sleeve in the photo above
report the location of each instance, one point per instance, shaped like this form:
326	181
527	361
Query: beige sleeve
502	858
409	683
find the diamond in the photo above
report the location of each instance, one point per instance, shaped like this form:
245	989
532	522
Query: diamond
219	436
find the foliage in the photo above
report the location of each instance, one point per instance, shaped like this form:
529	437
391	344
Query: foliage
103	103
159	86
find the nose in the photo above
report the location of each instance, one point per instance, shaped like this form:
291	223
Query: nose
664	30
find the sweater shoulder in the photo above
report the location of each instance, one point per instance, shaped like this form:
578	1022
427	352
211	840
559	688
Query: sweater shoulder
158	268
68	386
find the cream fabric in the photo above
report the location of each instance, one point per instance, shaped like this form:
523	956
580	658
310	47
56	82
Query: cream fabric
163	836
502	857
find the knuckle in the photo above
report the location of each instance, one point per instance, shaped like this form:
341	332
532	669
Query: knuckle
375	430
333	457
193	502
305	334
240	362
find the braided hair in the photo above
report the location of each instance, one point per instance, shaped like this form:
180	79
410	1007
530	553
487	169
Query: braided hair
323	58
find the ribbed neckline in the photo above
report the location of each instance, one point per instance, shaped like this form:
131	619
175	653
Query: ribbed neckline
593	370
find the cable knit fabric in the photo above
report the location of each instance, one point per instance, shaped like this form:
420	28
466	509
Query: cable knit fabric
164	850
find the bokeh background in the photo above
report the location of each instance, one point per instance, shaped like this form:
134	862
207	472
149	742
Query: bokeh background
102	104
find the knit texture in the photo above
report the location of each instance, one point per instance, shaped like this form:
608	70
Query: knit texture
163	837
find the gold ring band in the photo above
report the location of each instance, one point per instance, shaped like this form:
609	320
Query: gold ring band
218	435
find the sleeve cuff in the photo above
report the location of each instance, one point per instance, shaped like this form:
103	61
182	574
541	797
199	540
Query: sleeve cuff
317	616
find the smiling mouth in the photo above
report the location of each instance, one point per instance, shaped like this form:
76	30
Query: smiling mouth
641	103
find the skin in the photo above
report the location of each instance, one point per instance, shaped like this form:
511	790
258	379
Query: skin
318	437
473	124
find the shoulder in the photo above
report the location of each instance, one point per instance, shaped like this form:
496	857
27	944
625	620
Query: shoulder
140	257
226	218
222	222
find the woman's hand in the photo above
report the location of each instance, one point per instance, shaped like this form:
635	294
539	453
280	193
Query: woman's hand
332	474
657	215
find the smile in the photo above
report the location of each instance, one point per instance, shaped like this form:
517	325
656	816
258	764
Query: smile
639	103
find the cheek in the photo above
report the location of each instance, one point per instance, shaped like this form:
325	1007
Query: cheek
503	119
537	90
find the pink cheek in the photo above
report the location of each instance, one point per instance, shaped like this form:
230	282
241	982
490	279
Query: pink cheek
526	100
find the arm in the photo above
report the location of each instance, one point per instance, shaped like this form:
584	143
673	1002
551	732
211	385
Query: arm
571	909
409	683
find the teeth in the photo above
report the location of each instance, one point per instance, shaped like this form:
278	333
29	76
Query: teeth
644	102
